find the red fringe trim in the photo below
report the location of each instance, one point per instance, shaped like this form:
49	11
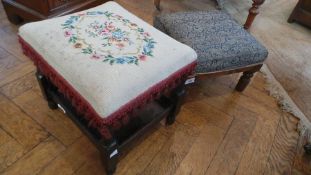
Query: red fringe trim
117	119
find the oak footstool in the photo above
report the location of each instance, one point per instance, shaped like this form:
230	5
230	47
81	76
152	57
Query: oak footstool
113	74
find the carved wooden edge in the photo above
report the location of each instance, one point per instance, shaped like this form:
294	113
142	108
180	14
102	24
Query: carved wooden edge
253	12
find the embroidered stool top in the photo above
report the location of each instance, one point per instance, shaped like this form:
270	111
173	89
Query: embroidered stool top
106	60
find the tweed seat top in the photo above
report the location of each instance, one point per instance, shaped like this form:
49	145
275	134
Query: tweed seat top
220	42
111	59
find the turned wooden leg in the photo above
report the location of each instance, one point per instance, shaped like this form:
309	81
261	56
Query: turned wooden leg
246	78
178	97
244	81
253	12
110	156
44	85
157	3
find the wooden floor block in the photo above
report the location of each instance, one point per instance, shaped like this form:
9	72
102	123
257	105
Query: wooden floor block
70	160
202	151
19	86
20	126
173	151
140	157
37	158
54	121
230	152
10	150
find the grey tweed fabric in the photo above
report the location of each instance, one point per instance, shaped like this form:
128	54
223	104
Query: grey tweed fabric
220	42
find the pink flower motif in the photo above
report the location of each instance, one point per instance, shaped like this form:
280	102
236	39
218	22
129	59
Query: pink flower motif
120	45
142	57
95	56
110	27
105	31
146	34
68	33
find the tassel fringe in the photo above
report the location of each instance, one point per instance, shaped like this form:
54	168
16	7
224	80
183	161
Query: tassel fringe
276	90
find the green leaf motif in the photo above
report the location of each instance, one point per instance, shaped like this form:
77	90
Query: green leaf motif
87	50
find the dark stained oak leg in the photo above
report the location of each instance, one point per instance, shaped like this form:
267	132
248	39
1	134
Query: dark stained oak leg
44	85
246	78
178	97
157	3
244	81
110	156
253	12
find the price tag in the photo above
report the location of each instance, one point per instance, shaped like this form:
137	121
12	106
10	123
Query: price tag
190	81
115	152
60	107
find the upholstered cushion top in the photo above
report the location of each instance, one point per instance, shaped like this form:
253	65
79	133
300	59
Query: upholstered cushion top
108	55
220	42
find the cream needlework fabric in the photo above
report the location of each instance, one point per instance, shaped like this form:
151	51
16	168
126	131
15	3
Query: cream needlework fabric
107	54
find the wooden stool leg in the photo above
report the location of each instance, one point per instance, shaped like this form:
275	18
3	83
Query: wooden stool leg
44	85
110	156
157	4
246	78
178	96
244	81
253	12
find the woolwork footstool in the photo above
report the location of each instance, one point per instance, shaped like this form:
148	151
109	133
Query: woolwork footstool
113	74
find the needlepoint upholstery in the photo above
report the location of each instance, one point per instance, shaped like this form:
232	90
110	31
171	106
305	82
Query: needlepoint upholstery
220	42
106	61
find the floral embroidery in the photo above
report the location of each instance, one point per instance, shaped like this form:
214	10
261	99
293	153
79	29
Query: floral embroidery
116	40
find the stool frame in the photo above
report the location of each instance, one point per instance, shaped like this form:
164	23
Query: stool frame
165	107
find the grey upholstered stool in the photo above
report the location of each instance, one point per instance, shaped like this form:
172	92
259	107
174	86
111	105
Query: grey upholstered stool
222	45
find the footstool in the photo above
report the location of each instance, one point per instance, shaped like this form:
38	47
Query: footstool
222	44
113	74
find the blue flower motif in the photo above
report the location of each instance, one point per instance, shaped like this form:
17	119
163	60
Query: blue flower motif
118	35
120	60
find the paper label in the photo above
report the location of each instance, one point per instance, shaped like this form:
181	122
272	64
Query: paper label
115	152
190	80
60	107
